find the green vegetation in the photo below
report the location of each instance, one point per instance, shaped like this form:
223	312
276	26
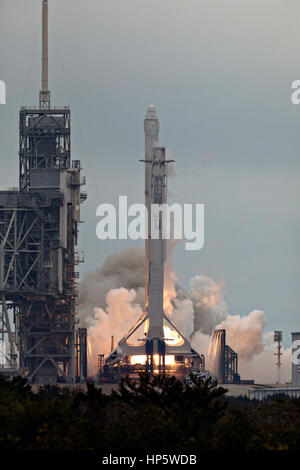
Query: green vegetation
149	415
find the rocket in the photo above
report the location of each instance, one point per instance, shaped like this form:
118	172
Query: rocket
154	343
155	249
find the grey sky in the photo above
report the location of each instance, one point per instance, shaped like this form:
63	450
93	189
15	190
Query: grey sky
219	73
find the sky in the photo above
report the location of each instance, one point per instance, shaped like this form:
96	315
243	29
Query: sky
219	73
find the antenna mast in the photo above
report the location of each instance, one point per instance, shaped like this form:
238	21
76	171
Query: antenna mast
278	354
45	93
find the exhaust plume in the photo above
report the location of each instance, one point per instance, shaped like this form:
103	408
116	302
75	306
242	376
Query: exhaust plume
115	320
112	299
125	269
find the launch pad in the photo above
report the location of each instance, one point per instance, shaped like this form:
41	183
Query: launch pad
154	343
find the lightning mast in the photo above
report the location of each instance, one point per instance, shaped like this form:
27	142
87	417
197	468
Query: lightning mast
45	93
278	353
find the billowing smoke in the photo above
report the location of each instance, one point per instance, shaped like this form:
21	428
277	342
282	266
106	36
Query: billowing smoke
120	314
209	306
262	367
245	334
112	299
125	269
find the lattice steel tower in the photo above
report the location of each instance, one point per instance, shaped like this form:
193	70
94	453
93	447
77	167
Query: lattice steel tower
38	236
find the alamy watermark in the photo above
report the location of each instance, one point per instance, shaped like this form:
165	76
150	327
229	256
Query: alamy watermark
296	352
176	221
2	92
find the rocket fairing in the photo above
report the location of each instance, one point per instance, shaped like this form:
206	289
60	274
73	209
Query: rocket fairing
154	342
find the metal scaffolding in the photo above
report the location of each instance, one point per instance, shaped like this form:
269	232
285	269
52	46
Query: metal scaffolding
81	354
38	235
278	354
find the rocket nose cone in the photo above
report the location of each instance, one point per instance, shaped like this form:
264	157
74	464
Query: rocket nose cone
151	112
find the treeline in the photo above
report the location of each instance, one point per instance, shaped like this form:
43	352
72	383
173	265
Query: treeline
160	414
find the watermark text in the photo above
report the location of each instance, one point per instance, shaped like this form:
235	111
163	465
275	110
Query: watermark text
164	222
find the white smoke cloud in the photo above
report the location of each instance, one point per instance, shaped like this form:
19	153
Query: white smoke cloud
245	334
183	316
112	300
208	302
262	366
125	269
200	342
120	314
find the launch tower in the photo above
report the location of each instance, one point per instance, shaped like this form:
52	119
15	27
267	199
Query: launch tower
38	236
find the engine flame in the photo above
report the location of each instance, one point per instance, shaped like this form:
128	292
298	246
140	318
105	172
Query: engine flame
172	337
142	359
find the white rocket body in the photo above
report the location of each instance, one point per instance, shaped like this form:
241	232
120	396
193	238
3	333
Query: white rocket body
153	341
155	193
